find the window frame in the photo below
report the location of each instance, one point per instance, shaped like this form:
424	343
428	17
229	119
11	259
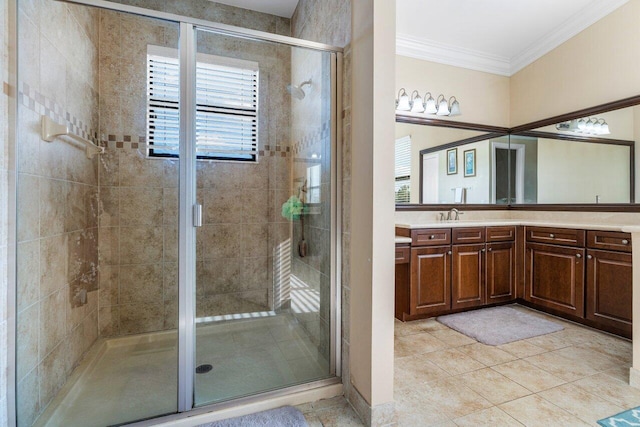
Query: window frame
172	53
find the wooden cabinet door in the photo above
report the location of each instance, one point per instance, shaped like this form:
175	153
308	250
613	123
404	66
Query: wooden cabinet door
501	272
468	286
430	280
555	278
609	284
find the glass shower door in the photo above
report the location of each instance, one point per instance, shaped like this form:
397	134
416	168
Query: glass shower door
263	287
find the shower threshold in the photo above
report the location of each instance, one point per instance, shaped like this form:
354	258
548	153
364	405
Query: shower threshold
131	378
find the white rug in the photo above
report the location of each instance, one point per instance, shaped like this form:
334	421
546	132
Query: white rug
286	416
499	325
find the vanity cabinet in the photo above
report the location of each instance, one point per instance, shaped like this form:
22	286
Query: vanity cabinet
500	268
468	276
555	277
430	283
456	268
609	281
555	269
586	275
403	260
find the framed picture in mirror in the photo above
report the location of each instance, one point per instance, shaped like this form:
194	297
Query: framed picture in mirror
470	163
452	161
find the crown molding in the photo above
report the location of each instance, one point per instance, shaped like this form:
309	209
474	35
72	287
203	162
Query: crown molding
582	19
428	50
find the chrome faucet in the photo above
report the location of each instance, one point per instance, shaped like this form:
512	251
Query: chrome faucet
450	214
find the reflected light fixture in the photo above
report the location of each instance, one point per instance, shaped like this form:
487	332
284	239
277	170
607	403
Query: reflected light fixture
416	102
585	126
403	103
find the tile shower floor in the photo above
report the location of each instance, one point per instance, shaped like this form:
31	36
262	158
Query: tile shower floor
570	378
124	379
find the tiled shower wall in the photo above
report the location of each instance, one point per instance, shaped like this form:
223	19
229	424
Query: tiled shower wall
311	136
57	200
138	222
138	197
330	22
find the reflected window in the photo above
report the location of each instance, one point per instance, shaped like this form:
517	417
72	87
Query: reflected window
313	184
226	112
403	170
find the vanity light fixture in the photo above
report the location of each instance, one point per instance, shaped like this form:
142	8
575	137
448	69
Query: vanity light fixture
586	125
403	103
454	107
416	102
443	106
430	104
427	104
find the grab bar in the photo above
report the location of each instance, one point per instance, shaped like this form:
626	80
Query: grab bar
50	130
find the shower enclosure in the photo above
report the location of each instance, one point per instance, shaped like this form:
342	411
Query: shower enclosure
194	261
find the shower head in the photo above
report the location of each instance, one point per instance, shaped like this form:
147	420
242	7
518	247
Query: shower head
296	91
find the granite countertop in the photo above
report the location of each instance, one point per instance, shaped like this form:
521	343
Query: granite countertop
489	223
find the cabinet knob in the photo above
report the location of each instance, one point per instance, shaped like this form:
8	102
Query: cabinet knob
625	242
482	250
490	249
578	256
432	237
589	256
449	253
552	235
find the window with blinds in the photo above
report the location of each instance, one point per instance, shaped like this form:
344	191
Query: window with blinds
403	170
226	112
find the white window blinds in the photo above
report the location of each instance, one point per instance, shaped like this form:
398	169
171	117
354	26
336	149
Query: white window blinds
403	169
227	106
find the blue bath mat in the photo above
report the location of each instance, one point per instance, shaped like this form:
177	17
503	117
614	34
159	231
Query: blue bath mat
287	416
627	418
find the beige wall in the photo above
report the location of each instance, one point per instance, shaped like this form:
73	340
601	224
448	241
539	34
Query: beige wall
372	267
566	79
483	97
575	172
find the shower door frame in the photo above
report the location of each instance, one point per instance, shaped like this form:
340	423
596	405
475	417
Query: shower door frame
187	203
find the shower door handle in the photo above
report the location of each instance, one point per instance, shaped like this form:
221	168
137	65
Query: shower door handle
197	215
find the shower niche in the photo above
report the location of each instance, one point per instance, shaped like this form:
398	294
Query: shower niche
124	294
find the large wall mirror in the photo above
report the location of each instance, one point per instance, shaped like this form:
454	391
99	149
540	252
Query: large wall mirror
582	158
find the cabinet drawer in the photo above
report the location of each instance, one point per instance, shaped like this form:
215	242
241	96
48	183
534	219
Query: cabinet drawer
501	234
609	240
467	235
403	254
556	236
431	237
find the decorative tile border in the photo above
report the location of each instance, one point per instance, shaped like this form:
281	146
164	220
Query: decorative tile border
130	142
311	139
40	104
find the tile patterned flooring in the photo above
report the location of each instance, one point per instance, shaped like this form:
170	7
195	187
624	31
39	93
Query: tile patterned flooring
573	377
